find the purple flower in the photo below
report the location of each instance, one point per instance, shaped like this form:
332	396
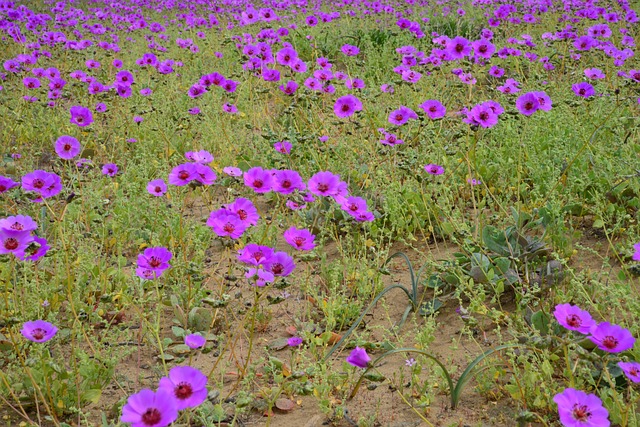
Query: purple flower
194	341
458	48
279	264
528	103
402	115
232	171
350	50
38	331
187	385
294	342
201	156
483	115
81	116
7	184
434	109
245	209
225	223
283	147
124	78
583	89
573	318
324	183
611	338
254	254
44	183
636	247
157	187
434	169
229	108
155	260
67	147
149	409
110	170
289	88
358	358
631	370
196	91
346	106
496	71
182	174
579	409
204	174
259	179
34	252
287	181
544	100
18	223
14	241
594	73
300	239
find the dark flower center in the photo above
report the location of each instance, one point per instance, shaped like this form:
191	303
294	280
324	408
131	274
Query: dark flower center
183	391
258	183
38	333
258	255
67	147
277	268
610	342
484	116
157	189
183	175
634	372
79	119
11	244
433	109
242	214
459	48
399	117
154	262
483	48
345	107
38	183
574	321
17	226
151	417
528	106
3	188
582	91
322	187
228	227
286	184
581	413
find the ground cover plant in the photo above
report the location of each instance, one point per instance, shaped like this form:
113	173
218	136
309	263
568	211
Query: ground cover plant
294	213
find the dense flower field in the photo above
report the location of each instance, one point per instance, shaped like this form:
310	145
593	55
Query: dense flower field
206	209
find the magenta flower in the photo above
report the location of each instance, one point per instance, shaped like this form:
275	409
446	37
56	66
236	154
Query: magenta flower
232	171
287	181
294	342
544	101
259	179
434	169
14	241
280	264
201	156
225	223
300	239
358	358
67	147
483	115
187	385
183	174
346	106
38	331
229	108
254	254
594	73
44	183
434	109
7	184
611	338
157	187
528	103
194	341
324	184
245	210
283	147
204	174
573	318
155	259
583	89
350	50
149	409
110	170
579	409
631	370
636	254
18	223
402	115
458	48
36	250
81	116
289	88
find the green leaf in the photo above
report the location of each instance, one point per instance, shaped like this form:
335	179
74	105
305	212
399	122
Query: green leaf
92	395
540	321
